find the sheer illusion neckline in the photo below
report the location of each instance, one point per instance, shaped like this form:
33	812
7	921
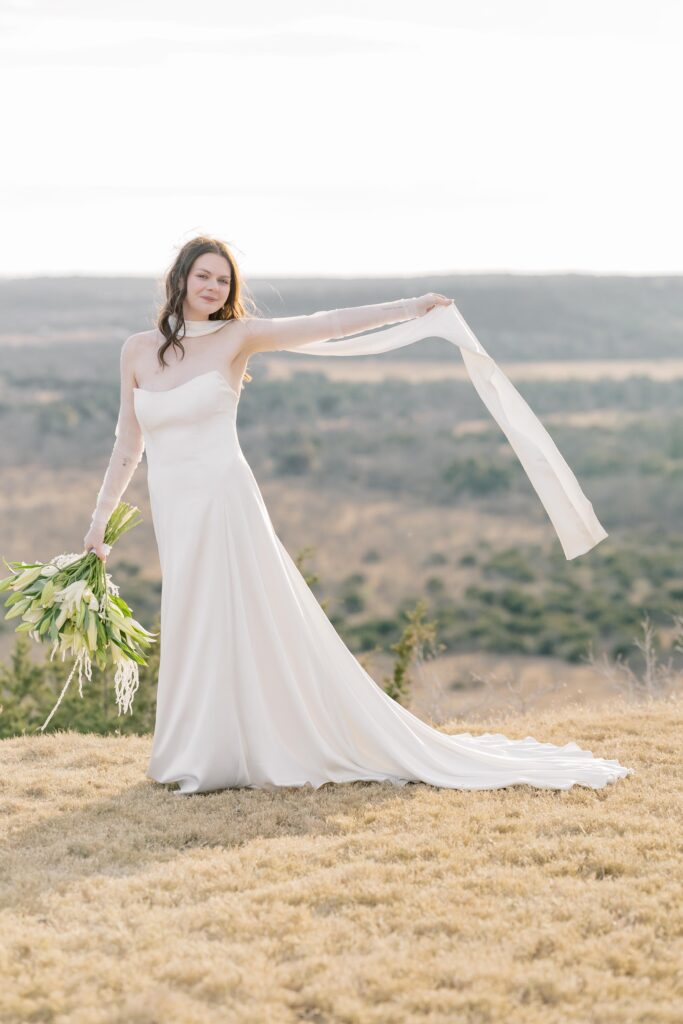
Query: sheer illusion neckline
198	376
195	328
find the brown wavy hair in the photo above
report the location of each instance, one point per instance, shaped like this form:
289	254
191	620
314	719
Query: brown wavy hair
239	305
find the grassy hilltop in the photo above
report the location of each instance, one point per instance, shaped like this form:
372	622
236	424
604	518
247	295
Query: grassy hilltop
357	904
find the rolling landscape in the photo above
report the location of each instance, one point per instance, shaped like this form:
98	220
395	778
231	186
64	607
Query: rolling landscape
389	482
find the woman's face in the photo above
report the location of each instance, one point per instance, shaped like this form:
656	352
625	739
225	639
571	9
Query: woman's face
208	286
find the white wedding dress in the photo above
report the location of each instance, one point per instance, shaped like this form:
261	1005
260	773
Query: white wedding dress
256	688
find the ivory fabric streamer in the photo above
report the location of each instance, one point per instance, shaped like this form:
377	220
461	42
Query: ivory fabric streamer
568	508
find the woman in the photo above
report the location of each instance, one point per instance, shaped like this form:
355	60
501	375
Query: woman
256	688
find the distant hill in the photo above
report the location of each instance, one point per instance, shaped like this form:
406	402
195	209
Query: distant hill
516	316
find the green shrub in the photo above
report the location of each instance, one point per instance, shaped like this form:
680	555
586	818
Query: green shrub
478	476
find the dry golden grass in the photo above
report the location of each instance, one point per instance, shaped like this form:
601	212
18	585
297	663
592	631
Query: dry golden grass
609	418
362	903
423	370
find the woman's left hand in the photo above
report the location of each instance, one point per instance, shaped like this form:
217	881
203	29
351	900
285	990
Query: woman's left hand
430	300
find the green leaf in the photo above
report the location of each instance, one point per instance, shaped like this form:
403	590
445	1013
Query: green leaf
120	603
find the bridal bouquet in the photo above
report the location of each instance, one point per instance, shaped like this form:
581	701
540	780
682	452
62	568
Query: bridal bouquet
72	601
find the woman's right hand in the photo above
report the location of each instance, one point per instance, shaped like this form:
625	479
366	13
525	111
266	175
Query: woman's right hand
430	300
94	540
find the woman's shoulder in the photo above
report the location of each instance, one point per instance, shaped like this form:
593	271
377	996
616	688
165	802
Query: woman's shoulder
140	337
236	328
141	340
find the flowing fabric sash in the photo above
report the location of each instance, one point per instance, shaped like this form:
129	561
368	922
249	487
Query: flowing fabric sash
568	508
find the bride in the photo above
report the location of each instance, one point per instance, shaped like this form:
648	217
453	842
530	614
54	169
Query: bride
256	688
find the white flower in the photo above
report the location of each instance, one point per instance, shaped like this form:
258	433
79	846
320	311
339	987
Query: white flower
63	560
71	596
27	577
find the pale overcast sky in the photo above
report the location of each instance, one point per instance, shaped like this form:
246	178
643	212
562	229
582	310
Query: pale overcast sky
344	138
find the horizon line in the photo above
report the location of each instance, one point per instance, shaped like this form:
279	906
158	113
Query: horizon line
280	275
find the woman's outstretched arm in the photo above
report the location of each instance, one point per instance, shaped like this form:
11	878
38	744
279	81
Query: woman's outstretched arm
262	334
125	457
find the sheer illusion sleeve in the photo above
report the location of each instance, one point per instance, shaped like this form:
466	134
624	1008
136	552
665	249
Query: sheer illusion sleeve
284	332
127	451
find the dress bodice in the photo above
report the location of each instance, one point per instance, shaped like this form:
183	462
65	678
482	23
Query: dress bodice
192	425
